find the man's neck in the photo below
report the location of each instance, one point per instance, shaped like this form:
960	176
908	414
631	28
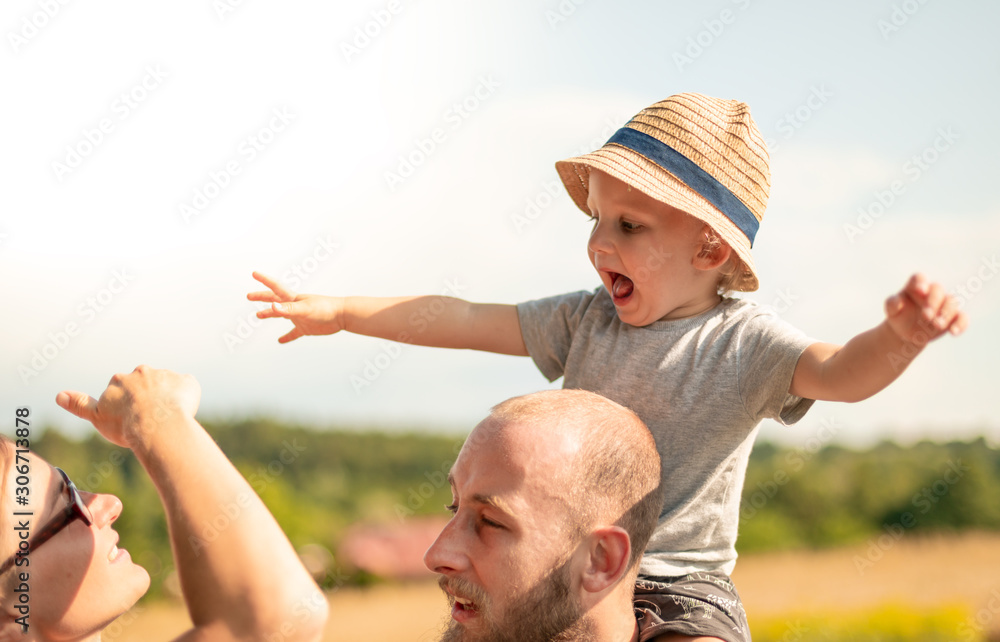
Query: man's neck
613	621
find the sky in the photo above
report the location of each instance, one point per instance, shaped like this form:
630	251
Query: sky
153	156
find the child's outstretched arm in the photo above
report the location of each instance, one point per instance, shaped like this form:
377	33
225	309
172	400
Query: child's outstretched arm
918	314
437	321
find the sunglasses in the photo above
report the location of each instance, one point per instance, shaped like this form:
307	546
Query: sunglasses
75	510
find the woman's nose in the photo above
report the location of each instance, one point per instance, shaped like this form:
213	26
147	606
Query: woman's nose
104	508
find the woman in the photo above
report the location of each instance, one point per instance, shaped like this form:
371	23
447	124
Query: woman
242	581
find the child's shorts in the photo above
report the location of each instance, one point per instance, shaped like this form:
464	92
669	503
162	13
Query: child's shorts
695	604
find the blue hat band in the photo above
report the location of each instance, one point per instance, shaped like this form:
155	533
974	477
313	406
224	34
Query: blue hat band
691	175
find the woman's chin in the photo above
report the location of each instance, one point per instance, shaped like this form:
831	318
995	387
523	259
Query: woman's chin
133	586
143	580
89	624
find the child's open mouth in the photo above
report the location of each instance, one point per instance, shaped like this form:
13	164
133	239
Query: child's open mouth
621	287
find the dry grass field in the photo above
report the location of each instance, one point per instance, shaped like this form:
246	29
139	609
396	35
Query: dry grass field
916	572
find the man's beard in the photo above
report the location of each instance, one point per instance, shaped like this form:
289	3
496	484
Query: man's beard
545	613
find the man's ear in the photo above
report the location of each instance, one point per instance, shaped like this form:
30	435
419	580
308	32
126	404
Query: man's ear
609	550
714	252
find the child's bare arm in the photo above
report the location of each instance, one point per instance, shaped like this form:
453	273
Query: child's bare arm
437	321
918	314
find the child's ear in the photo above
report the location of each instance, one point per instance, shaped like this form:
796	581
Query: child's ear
714	252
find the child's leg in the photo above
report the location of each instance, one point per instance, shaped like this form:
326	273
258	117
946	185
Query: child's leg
702	606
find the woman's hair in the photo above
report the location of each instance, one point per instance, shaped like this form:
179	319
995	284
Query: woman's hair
732	271
6	461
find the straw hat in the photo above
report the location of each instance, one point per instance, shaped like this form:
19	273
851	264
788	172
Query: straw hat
700	154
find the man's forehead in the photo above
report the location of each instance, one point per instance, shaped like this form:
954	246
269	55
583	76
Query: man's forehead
527	442
514	458
507	498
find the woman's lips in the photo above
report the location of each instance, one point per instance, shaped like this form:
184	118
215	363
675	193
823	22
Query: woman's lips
117	554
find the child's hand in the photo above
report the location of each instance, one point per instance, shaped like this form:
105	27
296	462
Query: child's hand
311	313
923	311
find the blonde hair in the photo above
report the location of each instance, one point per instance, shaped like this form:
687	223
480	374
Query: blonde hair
7	456
733	271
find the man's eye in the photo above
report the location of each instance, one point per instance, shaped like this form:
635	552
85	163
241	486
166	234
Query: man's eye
451	508
489	522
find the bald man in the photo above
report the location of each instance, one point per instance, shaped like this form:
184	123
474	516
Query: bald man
555	495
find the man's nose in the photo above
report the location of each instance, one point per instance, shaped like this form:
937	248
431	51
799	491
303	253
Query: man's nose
446	554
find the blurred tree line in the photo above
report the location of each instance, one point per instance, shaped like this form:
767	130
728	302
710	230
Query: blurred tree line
796	498
315	482
319	482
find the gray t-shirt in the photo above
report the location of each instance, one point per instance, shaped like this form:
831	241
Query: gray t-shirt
701	384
